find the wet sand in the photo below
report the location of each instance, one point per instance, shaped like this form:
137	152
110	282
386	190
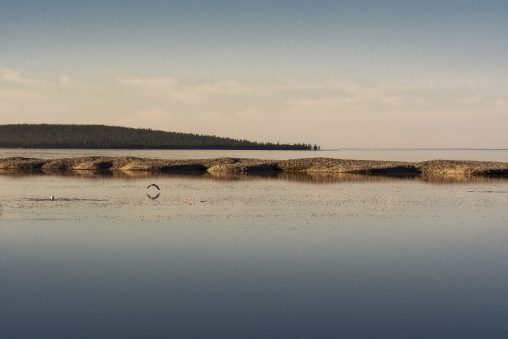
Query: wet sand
238	166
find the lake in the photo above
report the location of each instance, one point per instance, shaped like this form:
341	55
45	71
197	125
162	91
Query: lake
252	257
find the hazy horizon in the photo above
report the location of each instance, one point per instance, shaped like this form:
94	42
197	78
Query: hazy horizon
339	74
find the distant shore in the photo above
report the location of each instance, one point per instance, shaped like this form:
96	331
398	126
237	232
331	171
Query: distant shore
61	136
224	166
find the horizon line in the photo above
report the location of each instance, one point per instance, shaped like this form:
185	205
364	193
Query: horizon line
414	149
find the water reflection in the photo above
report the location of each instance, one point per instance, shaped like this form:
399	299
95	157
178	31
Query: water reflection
274	256
317	178
153	196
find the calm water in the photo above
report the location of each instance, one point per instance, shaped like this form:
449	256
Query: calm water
367	154
288	257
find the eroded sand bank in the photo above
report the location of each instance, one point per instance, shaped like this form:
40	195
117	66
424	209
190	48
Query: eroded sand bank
221	166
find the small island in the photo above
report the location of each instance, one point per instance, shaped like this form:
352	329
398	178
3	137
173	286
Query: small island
42	136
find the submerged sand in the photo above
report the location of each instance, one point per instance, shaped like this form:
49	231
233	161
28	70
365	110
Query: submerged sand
221	166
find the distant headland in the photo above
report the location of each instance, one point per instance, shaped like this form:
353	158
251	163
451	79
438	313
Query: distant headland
113	137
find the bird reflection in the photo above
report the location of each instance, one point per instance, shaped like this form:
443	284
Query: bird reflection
153	197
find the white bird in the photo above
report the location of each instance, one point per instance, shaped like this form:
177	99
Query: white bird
52	197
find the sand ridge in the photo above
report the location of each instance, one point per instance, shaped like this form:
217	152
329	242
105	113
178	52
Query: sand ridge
221	166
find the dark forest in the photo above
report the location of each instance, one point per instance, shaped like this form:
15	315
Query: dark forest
104	137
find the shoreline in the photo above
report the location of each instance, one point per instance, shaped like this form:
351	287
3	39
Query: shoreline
238	166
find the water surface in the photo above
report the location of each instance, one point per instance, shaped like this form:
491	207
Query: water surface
276	257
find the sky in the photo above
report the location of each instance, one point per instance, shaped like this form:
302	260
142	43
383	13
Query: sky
342	74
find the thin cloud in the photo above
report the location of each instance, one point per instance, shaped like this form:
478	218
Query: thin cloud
13	76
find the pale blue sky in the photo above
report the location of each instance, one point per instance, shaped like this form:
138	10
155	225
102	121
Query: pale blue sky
332	72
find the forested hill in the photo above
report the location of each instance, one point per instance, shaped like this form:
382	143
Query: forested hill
100	136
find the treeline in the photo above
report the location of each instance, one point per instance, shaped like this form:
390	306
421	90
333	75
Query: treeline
102	137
